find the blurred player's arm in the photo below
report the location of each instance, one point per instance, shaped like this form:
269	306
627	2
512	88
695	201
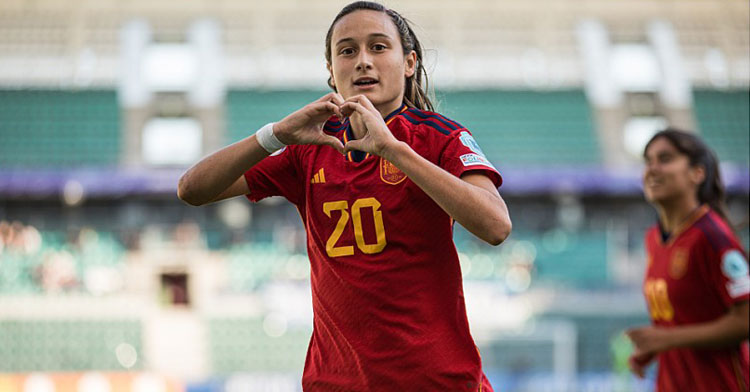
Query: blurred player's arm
732	328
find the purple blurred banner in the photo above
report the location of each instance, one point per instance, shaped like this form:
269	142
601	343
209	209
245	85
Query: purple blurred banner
119	182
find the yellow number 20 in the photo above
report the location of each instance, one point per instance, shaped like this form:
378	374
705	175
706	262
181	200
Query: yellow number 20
658	300
343	206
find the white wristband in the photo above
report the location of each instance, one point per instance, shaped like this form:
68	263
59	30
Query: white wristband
268	140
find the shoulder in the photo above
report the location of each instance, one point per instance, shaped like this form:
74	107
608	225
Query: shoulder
431	121
715	232
652	235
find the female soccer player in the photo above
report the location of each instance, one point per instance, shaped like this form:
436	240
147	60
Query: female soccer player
696	283
378	181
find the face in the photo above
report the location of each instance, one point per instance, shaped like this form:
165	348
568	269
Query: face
668	174
367	58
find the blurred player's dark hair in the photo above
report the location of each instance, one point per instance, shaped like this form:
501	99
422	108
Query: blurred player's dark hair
711	190
415	94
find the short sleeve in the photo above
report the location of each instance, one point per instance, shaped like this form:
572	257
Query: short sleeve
276	175
728	268
463	154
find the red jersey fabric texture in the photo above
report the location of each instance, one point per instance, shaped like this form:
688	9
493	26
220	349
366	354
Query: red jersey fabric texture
387	294
695	277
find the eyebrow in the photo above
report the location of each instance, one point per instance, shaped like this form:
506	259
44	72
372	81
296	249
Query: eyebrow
373	35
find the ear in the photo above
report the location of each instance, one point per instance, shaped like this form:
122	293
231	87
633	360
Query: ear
410	64
331	80
697	174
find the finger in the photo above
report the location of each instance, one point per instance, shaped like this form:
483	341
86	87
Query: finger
351	107
327	98
367	103
633	366
335	109
332	97
337	99
326	107
360	99
354	98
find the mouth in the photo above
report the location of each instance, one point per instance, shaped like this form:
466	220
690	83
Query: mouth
365	82
653	182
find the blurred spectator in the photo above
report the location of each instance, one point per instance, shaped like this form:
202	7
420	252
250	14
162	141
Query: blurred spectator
187	234
57	272
16	237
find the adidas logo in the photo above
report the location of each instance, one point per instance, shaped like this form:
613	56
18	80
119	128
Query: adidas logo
319	177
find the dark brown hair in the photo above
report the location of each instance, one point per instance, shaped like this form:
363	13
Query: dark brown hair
711	190
414	93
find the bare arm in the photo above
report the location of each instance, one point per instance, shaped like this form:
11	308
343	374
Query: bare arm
473	200
731	328
220	172
220	175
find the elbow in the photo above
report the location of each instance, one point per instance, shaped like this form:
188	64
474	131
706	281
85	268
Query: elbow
186	193
744	328
499	231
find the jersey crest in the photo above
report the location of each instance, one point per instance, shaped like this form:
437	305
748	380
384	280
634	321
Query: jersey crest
678	265
390	174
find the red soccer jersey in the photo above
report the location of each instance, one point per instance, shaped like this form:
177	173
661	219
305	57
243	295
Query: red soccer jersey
388	303
693	278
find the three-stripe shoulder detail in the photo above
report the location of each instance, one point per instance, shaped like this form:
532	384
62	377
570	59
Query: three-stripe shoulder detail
717	238
437	121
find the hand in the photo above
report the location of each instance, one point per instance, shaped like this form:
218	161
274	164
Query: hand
305	126
638	364
363	115
649	340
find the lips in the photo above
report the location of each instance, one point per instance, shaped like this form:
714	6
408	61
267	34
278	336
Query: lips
365	81
652	182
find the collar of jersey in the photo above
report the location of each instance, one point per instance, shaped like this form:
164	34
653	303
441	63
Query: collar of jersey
667	239
359	156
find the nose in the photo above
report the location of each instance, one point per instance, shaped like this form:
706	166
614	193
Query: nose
364	61
650	168
652	165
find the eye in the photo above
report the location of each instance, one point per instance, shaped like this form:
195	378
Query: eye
379	47
346	51
665	158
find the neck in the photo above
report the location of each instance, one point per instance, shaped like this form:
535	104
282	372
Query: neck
358	127
672	214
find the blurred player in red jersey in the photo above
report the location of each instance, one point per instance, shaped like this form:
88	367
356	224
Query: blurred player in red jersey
388	305
696	282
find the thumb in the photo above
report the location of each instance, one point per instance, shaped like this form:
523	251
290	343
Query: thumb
335	143
353	145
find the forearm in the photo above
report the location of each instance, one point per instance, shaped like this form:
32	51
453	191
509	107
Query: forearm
216	172
724	331
479	211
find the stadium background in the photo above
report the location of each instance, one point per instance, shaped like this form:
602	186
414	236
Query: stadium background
109	283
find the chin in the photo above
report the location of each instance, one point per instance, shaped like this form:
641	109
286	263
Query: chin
659	197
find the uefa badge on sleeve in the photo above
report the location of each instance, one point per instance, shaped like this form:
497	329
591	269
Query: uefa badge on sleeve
735	269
